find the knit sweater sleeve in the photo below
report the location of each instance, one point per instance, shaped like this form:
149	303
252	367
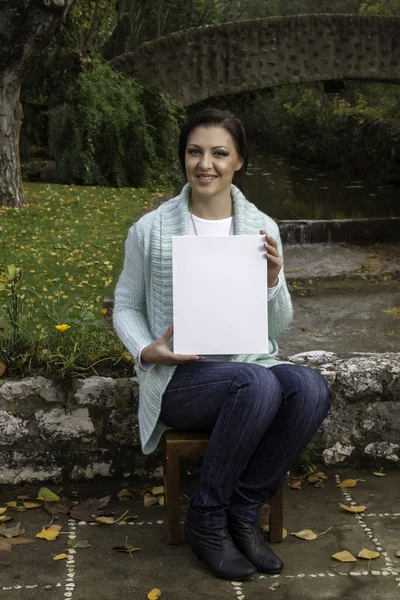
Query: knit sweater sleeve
130	314
280	310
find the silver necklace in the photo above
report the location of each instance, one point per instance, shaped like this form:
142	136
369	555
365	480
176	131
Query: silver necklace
194	225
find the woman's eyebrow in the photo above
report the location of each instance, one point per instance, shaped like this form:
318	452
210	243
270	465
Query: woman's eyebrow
213	148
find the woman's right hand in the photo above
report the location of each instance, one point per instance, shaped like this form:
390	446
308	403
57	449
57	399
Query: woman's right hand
158	352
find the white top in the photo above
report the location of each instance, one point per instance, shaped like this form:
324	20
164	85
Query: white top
211	228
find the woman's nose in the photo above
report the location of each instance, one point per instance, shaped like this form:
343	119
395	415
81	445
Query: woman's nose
205	161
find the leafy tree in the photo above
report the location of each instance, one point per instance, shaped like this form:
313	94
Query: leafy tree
26	27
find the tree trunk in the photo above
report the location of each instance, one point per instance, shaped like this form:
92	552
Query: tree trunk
27	26
11	190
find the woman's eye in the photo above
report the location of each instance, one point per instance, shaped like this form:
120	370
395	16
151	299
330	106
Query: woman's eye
192	151
220	153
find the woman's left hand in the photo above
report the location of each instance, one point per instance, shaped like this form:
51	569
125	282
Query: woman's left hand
274	259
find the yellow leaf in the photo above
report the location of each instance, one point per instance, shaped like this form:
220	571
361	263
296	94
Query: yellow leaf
60	556
47	495
398	553
364	553
31	504
380	474
353	509
274	586
13	503
158	490
3	510
149	500
127	356
105	520
154	594
2	368
3	517
349	483
265	529
49	533
344	556
306	534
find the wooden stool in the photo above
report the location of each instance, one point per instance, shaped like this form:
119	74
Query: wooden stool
179	444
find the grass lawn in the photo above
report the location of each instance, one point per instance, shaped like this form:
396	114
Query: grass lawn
69	240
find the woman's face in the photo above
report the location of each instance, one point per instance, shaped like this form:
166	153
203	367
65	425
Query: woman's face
211	160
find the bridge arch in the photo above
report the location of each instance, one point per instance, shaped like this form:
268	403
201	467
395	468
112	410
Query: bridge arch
197	64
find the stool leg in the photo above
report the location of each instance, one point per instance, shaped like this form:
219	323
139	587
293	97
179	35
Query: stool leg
172	492
276	517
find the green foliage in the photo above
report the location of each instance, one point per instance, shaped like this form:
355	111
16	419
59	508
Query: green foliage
383	7
113	138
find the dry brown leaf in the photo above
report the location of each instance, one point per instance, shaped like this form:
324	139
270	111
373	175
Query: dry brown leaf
306	534
157	490
12	532
379	474
105	520
149	500
349	483
369	554
125	493
353	509
86	509
295	484
321	475
2	368
344	556
154	594
60	556
7	544
274	586
49	533
58	508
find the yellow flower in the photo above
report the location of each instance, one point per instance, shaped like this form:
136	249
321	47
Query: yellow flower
62	328
104	312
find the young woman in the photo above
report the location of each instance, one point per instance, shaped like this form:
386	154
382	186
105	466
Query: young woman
261	412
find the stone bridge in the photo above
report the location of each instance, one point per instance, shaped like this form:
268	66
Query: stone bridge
197	64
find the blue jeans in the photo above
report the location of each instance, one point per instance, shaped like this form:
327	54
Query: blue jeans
261	420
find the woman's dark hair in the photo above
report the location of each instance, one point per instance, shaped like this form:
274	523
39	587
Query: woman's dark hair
213	117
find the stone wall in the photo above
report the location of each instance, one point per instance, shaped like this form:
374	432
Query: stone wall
91	429
197	64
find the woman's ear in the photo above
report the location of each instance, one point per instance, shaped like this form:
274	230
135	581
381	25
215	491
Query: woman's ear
240	164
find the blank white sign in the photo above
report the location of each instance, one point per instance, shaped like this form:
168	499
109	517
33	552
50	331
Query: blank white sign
219	295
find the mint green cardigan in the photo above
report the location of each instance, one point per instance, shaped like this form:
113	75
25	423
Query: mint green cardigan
143	297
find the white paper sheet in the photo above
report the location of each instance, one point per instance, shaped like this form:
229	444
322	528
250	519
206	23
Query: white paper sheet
219	295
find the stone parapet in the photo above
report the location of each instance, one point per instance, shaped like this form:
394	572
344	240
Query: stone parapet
91	428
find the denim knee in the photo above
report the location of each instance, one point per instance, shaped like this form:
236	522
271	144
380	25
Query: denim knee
259	382
313	385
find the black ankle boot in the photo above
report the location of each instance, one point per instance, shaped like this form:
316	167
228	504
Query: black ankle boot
216	547
253	546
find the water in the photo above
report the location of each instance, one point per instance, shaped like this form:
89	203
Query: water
286	190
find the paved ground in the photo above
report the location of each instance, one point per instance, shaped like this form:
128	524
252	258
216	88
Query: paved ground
344	297
101	573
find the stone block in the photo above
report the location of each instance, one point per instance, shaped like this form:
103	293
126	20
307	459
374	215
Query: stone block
12	428
58	424
25	389
100	391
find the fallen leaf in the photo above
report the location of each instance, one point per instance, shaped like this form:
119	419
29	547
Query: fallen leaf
349	483
274	586
380	474
49	533
31	505
265	529
3	510
60	556
23	497
6	545
130	518
306	534
149	500
2	368
12	532
353	509
321	475
126	548
47	495
365	553
157	490
105	520
58	508
12	504
161	500
86	509
125	493
154	594
398	553
79	544
344	556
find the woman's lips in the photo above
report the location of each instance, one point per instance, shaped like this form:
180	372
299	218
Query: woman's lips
206	179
